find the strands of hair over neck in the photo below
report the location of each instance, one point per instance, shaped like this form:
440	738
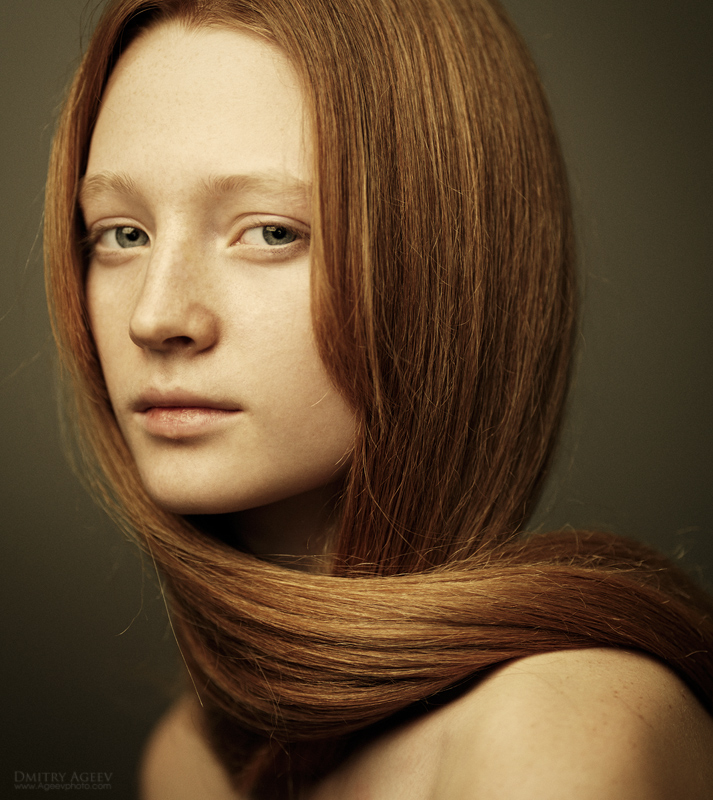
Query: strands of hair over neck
443	306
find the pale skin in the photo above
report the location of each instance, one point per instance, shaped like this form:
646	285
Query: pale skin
598	724
197	202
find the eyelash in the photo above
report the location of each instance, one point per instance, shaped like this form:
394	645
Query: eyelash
91	240
301	237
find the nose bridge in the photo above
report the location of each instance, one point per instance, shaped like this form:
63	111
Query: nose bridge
172	308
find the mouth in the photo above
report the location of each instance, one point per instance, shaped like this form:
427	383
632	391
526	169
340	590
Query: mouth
181	401
183	415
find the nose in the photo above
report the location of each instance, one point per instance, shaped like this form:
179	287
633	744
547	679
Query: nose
172	311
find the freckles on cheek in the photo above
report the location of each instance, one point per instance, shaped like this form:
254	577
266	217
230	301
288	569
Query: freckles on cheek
110	294
95	292
285	335
107	311
99	325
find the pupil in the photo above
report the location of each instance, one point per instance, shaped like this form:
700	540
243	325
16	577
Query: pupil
132	234
274	232
277	234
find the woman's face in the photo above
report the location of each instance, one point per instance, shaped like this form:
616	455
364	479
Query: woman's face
197	205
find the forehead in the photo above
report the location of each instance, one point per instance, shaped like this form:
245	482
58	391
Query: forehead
201	101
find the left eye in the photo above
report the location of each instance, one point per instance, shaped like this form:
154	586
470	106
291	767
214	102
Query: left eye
272	235
124	236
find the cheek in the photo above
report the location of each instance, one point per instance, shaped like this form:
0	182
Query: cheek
306	406
108	312
305	416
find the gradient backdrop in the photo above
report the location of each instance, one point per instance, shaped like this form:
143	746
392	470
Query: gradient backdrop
88	661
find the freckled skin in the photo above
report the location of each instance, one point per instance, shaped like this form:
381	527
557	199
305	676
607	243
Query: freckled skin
208	292
200	305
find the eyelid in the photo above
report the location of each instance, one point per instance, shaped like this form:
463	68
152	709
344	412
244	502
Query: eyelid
252	221
301	231
90	241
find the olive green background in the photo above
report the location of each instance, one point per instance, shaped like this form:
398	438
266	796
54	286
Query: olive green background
88	661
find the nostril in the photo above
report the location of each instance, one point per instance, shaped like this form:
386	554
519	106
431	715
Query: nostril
180	341
165	343
162	324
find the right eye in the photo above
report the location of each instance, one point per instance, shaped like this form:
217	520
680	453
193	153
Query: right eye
122	237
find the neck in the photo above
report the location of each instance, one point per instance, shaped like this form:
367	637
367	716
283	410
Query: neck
293	532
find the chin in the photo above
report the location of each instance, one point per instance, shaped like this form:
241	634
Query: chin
193	507
229	490
177	498
200	500
197	502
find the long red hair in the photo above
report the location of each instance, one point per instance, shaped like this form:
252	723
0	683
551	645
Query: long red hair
443	304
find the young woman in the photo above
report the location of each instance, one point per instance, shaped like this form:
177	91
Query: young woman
310	266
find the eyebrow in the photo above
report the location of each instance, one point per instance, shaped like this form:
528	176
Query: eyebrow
218	185
92	186
296	190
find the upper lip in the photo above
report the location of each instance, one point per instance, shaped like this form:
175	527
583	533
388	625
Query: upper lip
154	398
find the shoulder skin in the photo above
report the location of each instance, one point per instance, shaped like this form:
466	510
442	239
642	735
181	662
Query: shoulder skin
177	762
599	724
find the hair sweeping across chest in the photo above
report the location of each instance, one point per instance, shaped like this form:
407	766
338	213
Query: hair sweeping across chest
444	308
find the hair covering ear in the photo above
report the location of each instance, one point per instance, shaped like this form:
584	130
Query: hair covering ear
443	308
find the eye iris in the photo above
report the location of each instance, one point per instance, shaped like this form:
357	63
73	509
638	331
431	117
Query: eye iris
129	236
276	234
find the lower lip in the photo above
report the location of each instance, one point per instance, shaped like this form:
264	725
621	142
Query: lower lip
180	422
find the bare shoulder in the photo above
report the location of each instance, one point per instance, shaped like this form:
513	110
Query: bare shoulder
177	762
600	723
